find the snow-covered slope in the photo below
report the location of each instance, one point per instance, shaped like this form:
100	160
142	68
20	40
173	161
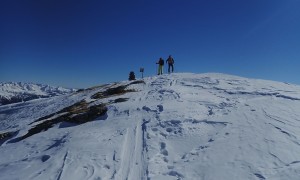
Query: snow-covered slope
17	92
178	126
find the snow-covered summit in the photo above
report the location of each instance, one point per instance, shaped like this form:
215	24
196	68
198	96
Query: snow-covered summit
178	126
12	92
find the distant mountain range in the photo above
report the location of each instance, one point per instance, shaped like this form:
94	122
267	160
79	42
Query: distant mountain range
13	92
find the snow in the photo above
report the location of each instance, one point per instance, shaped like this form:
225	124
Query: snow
18	92
179	126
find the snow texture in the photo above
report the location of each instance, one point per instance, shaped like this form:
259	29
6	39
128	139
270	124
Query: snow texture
178	126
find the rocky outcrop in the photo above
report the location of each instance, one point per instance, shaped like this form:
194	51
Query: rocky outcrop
78	113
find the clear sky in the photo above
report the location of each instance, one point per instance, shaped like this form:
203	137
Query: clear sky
76	43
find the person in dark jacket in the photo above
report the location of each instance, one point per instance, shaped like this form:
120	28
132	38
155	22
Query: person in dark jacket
170	62
160	66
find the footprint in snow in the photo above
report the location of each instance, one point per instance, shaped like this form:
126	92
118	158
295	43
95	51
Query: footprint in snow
169	130
162	145
175	174
163	150
261	177
160	108
145	108
211	140
45	158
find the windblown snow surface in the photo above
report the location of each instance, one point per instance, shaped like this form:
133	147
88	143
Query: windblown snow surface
178	126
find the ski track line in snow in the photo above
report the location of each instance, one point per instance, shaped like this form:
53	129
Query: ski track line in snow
63	165
133	165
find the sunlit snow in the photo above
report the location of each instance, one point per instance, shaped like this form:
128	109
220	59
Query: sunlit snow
178	126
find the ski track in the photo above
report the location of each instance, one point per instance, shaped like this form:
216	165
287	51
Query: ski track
63	166
133	165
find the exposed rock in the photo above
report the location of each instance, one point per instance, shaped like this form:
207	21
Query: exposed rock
138	82
119	90
119	100
5	136
78	113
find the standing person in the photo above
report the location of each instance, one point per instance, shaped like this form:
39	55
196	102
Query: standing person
170	62
160	66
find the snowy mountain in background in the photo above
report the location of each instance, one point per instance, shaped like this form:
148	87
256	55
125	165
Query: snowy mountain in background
17	92
169	127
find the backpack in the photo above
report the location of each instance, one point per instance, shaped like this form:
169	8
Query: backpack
161	62
170	61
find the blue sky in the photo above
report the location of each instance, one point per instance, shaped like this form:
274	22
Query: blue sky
84	43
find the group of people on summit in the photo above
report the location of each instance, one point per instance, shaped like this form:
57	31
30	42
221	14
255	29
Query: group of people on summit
161	62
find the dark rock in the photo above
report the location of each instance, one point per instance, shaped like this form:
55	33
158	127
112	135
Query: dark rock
138	82
120	100
6	135
78	113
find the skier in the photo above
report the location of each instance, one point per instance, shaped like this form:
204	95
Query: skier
170	62
160	66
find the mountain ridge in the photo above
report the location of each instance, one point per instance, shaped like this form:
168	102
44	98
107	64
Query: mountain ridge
13	92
